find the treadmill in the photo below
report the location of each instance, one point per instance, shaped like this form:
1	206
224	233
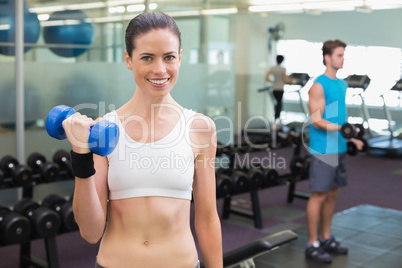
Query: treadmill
269	134
387	144
301	80
361	82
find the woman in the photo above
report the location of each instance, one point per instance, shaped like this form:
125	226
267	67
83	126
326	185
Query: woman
165	154
280	79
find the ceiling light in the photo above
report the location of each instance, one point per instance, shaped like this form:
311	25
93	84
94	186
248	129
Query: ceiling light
118	18
383	2
274	2
86	6
119	9
219	11
135	8
338	5
184	13
123	2
49	9
270	8
60	22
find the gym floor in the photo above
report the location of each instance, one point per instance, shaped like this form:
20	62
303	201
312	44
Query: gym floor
372	234
367	220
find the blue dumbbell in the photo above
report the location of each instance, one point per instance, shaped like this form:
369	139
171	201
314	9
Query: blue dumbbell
103	136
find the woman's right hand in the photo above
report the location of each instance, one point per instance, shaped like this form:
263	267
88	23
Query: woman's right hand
77	128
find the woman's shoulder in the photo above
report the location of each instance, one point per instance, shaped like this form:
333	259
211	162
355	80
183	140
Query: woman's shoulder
203	134
203	126
202	121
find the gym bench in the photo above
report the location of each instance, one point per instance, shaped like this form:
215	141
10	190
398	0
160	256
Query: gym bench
243	256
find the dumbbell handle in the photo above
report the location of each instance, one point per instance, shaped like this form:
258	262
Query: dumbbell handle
103	135
349	131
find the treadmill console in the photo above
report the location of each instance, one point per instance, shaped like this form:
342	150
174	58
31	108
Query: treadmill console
397	86
358	81
300	79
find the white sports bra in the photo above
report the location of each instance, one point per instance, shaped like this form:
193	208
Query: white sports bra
161	168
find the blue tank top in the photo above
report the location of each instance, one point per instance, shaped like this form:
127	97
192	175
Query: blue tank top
330	142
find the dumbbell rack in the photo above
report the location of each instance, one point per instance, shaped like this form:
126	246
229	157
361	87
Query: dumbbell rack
294	177
255	214
27	260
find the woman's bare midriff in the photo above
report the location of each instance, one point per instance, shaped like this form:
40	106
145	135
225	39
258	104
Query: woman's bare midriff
148	232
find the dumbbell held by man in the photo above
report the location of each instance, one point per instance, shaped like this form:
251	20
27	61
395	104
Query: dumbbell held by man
349	131
354	133
103	135
352	148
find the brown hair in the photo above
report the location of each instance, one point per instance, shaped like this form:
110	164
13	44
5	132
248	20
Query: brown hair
145	22
329	47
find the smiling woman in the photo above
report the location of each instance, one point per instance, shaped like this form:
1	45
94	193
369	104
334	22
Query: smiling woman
148	214
155	64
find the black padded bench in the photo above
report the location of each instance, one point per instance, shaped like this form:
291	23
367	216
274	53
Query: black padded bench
244	255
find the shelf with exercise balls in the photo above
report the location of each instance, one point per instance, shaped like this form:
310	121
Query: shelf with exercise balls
67	33
7	28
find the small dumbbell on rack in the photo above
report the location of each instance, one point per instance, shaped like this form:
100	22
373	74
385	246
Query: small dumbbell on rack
300	166
45	171
270	176
224	185
45	222
62	159
19	175
64	209
14	227
255	177
238	178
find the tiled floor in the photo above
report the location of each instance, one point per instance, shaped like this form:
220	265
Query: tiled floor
372	234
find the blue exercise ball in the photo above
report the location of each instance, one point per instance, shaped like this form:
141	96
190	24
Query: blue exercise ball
73	31
7	27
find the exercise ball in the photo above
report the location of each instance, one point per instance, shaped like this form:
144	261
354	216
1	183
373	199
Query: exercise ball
70	29
7	27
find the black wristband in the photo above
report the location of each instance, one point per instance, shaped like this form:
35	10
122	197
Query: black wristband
82	165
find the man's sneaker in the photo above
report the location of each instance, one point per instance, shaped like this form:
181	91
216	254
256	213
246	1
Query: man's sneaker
332	246
317	254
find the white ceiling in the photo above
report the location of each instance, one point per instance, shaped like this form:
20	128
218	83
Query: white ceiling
288	6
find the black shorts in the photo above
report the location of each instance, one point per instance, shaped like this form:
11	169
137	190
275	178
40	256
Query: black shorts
328	171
